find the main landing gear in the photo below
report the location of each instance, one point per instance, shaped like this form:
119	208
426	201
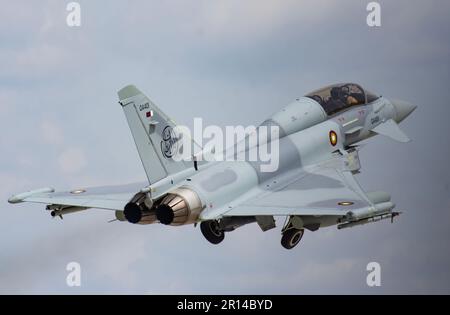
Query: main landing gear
291	238
291	233
212	231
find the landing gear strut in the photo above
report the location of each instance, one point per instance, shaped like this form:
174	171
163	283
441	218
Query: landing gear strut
212	231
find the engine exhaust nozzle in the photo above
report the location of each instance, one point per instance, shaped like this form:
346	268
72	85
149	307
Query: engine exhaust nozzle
165	214
181	206
132	212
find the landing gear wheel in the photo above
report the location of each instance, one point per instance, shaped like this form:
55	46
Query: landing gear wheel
291	238
212	232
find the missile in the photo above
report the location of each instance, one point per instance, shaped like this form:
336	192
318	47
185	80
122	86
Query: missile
22	196
368	220
378	212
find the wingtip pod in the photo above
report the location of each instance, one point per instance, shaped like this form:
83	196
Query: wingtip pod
22	196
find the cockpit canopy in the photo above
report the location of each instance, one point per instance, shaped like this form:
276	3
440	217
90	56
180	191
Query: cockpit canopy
338	97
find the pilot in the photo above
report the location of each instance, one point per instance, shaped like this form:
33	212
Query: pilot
345	96
351	100
335	102
355	97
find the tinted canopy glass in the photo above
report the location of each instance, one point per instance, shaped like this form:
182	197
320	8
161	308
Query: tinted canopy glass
338	97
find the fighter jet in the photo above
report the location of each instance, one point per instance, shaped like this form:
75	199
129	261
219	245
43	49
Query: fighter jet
313	186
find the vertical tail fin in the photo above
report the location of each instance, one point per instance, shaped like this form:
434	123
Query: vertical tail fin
153	134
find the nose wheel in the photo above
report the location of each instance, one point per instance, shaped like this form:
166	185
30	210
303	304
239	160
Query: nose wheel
212	231
291	237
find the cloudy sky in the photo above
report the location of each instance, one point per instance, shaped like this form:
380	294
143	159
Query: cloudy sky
229	62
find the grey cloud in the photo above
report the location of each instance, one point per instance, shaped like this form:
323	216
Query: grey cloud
229	64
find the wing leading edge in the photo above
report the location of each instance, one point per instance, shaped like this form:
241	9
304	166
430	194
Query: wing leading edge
106	197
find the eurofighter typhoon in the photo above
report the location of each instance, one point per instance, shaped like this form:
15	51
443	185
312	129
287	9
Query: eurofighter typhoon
312	186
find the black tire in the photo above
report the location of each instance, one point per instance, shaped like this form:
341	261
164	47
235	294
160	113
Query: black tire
211	231
291	238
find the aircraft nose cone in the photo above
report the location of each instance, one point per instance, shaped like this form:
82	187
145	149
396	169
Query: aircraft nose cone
402	109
